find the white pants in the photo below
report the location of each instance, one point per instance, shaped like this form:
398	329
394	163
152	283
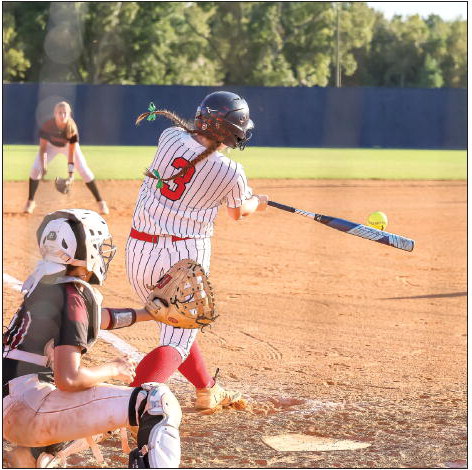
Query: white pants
147	262
79	160
37	414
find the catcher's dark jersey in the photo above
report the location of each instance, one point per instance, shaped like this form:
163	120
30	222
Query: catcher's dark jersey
56	136
52	311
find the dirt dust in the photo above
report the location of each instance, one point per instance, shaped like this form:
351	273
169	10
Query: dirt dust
324	333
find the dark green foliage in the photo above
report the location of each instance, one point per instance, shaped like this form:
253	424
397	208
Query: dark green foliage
229	43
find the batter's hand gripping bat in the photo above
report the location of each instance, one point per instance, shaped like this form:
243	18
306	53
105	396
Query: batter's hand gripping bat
352	228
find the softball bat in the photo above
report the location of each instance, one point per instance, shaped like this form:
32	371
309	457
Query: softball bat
352	228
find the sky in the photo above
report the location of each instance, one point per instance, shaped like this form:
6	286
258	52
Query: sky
446	10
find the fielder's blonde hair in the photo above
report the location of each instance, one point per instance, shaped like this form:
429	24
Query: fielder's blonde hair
71	126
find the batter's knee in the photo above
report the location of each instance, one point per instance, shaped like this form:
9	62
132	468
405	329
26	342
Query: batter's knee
183	347
184	351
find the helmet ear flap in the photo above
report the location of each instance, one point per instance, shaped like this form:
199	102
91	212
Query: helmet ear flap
81	250
58	243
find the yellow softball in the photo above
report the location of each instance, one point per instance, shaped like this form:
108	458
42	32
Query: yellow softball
377	220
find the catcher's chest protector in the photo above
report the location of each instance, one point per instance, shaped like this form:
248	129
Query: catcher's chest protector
94	302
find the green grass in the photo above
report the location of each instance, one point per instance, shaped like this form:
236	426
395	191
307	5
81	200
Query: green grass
263	162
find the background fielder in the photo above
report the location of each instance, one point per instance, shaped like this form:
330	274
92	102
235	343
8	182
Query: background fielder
61	135
188	180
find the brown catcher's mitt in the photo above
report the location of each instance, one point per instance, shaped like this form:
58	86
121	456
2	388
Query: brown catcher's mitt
183	297
63	185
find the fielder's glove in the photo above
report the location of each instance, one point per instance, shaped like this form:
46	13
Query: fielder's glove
63	185
183	297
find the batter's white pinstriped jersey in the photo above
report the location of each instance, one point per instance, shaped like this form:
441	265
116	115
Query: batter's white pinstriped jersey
187	206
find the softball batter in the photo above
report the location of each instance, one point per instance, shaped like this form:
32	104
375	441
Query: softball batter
49	396
186	183
60	135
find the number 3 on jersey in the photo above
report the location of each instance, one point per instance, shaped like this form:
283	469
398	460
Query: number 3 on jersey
181	181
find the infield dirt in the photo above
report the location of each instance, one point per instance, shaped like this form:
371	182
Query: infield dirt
326	334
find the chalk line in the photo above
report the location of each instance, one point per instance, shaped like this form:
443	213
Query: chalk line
107	336
125	348
15	284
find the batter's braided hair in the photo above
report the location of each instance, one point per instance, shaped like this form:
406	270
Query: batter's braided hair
151	115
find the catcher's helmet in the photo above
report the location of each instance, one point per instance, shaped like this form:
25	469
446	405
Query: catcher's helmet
77	237
224	116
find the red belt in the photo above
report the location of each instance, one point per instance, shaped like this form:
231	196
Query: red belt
146	237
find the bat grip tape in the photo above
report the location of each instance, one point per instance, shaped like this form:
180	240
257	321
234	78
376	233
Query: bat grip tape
281	206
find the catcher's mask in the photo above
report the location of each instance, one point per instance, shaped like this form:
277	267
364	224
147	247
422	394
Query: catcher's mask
77	237
224	117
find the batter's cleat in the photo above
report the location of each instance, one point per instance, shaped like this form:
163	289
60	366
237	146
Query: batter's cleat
210	398
30	207
103	208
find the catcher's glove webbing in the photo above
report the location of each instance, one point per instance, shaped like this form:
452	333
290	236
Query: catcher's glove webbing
183	297
63	185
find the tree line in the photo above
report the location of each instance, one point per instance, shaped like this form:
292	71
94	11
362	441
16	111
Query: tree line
229	43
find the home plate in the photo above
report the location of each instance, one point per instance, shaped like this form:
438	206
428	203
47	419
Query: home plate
303	442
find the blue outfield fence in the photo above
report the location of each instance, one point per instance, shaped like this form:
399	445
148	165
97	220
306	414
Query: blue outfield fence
284	117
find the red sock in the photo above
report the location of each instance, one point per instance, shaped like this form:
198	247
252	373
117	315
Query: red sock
157	366
194	369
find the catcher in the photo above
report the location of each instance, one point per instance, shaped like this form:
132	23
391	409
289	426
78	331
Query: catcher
49	396
60	135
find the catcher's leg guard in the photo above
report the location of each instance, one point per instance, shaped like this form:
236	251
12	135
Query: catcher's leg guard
154	408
